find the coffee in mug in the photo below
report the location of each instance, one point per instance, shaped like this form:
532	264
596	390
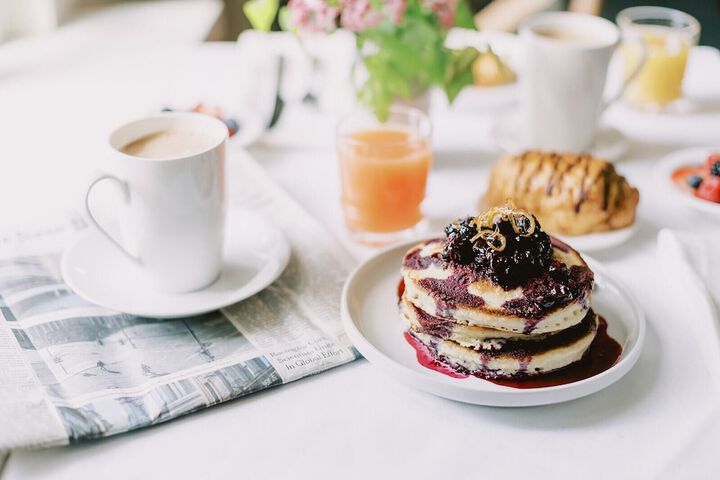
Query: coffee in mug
170	143
171	169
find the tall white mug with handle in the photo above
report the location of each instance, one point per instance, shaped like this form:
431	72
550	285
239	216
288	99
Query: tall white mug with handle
171	171
566	57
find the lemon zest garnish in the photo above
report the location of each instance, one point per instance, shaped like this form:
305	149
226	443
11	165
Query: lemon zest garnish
488	229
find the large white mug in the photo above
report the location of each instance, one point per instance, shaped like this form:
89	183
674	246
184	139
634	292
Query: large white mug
566	56
172	217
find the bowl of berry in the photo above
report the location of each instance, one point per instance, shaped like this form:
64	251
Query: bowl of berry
693	176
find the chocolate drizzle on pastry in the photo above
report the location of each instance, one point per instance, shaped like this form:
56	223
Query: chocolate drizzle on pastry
569	194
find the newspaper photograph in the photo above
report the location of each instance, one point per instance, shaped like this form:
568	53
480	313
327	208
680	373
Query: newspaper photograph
73	371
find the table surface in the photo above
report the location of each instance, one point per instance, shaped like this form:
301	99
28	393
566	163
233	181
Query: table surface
660	421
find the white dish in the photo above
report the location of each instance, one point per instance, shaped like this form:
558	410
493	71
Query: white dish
255	254
608	144
681	158
507	47
592	242
371	319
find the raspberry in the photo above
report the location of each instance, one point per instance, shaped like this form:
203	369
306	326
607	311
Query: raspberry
709	189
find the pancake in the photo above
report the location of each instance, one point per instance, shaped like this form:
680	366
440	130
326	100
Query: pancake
546	304
515	358
477	338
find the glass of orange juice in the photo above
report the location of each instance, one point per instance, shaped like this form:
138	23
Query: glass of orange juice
663	38
384	168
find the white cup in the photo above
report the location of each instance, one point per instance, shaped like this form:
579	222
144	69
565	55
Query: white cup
172	218
563	79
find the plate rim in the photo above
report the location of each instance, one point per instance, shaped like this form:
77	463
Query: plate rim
678	158
419	379
624	234
283	261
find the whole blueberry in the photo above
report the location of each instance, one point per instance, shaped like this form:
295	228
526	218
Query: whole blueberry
232	124
715	169
694	181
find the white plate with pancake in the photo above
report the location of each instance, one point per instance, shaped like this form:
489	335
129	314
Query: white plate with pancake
372	320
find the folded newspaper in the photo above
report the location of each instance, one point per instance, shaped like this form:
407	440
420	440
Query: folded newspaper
72	371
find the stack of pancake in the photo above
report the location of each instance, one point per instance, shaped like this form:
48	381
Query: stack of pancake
474	325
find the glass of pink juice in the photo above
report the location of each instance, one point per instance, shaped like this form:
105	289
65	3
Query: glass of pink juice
383	172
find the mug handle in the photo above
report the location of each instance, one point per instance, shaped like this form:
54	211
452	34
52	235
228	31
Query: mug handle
126	199
629	79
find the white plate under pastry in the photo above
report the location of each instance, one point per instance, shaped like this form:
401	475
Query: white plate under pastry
255	254
609	143
593	242
590	242
685	158
371	318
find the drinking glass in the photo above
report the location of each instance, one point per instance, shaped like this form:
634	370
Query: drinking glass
663	36
383	171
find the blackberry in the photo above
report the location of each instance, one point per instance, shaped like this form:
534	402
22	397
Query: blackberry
694	181
715	169
524	257
459	245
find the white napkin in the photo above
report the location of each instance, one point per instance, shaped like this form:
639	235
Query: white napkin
692	264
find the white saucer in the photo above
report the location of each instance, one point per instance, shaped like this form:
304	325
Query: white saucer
609	143
371	319
256	253
593	242
681	158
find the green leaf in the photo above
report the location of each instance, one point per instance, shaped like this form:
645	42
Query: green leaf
261	13
464	15
410	58
458	71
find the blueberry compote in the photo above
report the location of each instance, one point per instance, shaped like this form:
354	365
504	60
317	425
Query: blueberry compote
603	353
509	257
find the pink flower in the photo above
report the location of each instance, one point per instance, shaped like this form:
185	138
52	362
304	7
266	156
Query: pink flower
312	15
394	10
444	9
359	15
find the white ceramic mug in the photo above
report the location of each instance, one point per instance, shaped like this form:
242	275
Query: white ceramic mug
563	79
172	218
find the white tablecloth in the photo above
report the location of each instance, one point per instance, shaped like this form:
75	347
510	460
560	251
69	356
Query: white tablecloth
660	421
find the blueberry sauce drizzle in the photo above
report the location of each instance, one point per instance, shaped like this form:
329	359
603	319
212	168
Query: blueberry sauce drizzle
603	353
450	292
559	287
415	261
426	359
518	348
